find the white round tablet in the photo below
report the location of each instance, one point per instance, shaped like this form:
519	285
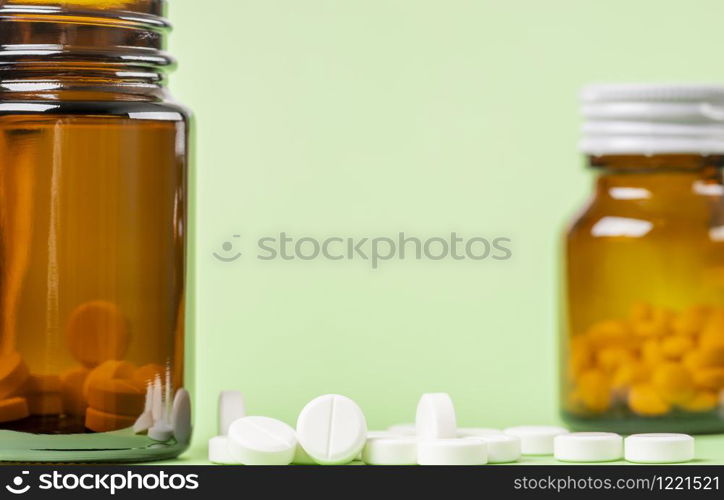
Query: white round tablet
261	441
435	417
332	429
452	452
659	448
536	439
181	416
477	431
390	451
403	429
219	451
231	407
588	447
502	448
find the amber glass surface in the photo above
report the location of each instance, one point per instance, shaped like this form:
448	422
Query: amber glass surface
93	214
91	209
643	339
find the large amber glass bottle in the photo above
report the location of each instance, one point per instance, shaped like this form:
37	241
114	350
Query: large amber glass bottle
93	202
643	336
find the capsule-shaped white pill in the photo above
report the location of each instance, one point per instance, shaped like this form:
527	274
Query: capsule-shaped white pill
452	452
659	448
435	418
261	441
386	450
231	407
536	439
332	429
219	451
588	447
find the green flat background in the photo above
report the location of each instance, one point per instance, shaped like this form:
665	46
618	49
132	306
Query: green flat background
363	118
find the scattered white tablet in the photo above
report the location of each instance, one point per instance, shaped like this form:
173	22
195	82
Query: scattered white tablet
452	452
659	448
261	441
332	429
588	447
435	417
536	439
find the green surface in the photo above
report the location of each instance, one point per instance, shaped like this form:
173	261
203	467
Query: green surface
364	118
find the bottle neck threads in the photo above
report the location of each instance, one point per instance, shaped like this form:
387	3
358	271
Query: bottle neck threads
83	46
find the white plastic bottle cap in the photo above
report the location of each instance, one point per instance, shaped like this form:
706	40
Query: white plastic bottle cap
659	448
649	119
436	417
536	439
390	451
502	448
452	452
261	441
588	447
332	429
219	451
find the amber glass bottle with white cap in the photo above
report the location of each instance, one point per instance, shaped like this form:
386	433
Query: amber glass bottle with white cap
93	202
643	332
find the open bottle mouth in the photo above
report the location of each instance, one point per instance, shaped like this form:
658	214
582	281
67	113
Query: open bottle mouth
122	35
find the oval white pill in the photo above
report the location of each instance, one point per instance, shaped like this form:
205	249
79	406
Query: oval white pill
231	407
588	447
452	452
403	429
659	448
332	429
261	441
397	450
536	439
181	416
219	451
477	431
502	448
435	417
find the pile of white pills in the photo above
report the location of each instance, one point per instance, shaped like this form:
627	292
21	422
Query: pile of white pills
332	430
